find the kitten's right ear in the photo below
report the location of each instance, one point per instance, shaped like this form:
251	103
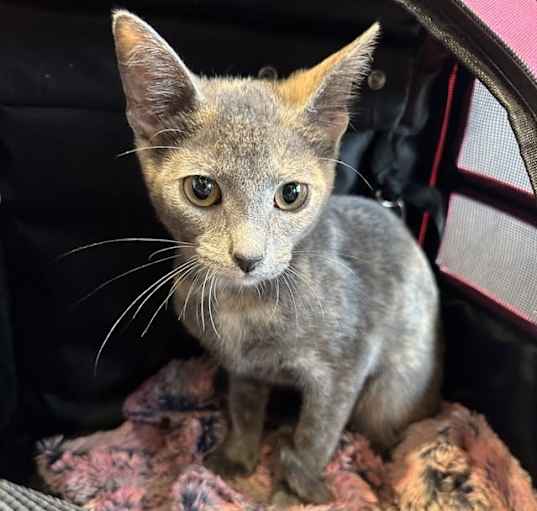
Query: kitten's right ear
160	90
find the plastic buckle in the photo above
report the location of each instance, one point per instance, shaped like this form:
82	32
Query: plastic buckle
397	206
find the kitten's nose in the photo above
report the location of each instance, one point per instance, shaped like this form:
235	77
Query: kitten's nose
247	263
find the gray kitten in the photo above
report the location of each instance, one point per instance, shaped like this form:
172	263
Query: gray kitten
283	283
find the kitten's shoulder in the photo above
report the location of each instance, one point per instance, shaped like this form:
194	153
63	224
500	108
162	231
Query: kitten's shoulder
363	213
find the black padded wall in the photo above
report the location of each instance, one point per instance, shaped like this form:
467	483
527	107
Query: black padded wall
61	126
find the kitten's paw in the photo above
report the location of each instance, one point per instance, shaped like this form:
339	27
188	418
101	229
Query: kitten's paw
302	481
282	499
239	464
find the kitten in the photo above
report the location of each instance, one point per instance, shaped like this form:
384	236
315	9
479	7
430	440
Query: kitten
282	283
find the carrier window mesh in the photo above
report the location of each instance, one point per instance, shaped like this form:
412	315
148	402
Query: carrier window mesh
492	252
513	21
489	148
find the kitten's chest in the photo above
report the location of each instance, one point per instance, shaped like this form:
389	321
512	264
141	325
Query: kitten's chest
246	334
250	340
239	325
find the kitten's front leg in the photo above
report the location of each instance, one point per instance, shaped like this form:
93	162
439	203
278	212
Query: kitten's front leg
239	452
326	407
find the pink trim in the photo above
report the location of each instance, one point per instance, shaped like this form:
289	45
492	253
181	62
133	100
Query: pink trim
440	146
513	21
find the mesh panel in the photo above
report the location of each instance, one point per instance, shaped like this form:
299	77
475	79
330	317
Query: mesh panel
489	147
492	252
514	22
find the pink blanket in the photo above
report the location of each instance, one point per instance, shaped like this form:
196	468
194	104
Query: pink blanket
453	461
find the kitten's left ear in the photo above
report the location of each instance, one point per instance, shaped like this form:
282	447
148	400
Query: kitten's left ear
160	90
324	92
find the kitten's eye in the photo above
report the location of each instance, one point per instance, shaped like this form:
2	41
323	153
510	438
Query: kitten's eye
291	196
202	191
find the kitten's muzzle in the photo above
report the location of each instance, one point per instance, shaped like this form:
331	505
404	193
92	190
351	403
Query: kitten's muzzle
247	263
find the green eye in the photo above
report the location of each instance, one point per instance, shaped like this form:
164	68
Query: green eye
291	196
202	191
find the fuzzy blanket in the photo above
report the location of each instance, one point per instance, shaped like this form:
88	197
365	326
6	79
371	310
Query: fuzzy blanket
453	461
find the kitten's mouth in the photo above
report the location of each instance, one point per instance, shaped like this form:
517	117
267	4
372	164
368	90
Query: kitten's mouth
238	278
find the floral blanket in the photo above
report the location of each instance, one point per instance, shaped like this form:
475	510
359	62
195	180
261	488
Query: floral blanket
453	461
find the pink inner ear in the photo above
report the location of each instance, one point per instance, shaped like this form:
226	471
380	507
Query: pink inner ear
160	90
335	124
143	123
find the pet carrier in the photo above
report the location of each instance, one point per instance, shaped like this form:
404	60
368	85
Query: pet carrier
445	130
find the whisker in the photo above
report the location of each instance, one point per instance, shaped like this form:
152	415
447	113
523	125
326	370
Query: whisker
120	276
353	169
308	284
202	310
155	286
194	281
116	240
179	279
276	302
167	130
212	283
215	289
177	272
138	149
286	282
181	245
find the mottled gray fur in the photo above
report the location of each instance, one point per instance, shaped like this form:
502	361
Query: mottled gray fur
343	305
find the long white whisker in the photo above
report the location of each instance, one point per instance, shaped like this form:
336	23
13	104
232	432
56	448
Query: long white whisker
116	240
158	283
353	169
120	276
293	279
181	277
308	284
138	149
179	246
286	282
177	272
211	285
202	310
215	290
185	271
167	130
194	281
276	303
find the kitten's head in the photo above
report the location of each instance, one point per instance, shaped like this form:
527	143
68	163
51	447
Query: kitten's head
242	168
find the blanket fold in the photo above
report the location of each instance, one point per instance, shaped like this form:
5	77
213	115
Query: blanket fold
154	460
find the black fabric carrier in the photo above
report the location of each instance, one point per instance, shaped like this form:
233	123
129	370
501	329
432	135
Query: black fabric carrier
62	124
